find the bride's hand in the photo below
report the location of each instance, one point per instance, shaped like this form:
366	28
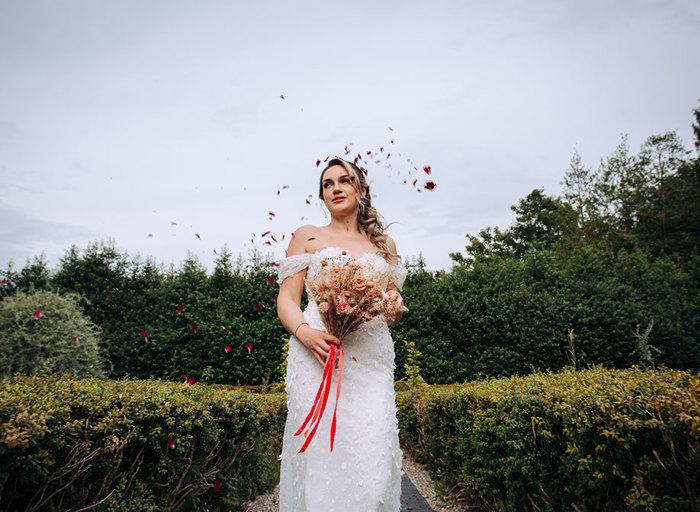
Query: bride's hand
395	296
318	342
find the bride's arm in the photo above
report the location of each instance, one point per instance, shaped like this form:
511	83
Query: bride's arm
391	246
289	307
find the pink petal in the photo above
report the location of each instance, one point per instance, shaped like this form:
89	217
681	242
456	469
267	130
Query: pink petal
227	349
75	340
171	444
224	329
145	336
179	310
38	313
249	347
191	381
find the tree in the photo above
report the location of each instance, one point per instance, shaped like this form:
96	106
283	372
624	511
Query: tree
44	330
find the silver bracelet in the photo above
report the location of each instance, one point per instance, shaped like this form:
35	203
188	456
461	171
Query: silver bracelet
295	330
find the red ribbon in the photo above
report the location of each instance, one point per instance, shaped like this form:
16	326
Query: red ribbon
319	405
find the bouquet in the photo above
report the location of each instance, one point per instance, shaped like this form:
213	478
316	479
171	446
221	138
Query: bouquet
345	301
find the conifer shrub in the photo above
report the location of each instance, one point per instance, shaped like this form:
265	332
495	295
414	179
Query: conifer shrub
45	331
597	439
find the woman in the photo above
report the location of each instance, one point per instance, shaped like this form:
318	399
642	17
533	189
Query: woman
363	472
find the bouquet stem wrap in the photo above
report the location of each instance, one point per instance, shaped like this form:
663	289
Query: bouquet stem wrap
314	417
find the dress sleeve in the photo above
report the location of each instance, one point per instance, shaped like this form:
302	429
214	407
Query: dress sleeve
397	274
291	265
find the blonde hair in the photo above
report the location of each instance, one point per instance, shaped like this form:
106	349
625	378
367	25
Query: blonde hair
368	219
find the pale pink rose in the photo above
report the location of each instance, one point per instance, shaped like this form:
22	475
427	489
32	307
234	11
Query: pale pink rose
323	307
359	283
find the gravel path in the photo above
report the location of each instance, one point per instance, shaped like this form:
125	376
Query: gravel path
416	473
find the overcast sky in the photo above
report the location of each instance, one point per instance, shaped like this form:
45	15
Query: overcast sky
125	119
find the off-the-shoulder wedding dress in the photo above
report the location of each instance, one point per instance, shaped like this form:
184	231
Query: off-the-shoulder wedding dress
363	473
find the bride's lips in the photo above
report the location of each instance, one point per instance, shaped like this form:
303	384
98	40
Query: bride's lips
338	199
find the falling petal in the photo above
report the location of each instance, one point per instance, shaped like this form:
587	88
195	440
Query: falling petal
272	236
150	235
318	162
4	280
145	336
270	279
217	485
259	308
267	242
265	233
281	96
430	185
184	376
171	277
197	235
427	169
224	328
194	327
191	381
179	310
171	444
173	223
249	347
38	313
272	213
415	181
227	349
110	296
292	234
307	202
326	159
75	340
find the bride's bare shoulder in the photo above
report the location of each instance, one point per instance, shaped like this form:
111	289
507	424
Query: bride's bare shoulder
301	238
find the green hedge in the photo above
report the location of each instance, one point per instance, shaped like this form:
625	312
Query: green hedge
593	440
68	443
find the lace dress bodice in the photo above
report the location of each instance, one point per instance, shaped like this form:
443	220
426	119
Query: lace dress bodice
364	470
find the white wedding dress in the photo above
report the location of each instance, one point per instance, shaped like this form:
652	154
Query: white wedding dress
363	473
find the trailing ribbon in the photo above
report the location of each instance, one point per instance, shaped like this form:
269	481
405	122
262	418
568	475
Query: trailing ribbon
321	399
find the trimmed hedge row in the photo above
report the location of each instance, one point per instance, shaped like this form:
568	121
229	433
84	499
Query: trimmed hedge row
134	445
593	440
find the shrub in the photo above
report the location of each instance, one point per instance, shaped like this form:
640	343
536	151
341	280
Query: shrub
134	445
599	439
44	330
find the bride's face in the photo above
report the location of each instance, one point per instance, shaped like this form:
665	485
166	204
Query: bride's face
339	191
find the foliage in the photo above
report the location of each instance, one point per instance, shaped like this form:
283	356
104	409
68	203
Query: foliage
134	445
44	331
598	439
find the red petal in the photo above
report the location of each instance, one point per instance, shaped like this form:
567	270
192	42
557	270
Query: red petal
272	236
415	181
224	329
272	213
38	313
194	326
265	233
318	162
179	310
4	280
171	277
307	202
145	336
216	486
75	339
250	349
430	185
227	349
260	306
110	296
270	280
427	169
171	444
369	152
191	381
326	159
197	235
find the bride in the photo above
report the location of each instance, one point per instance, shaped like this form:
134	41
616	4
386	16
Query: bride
363	472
